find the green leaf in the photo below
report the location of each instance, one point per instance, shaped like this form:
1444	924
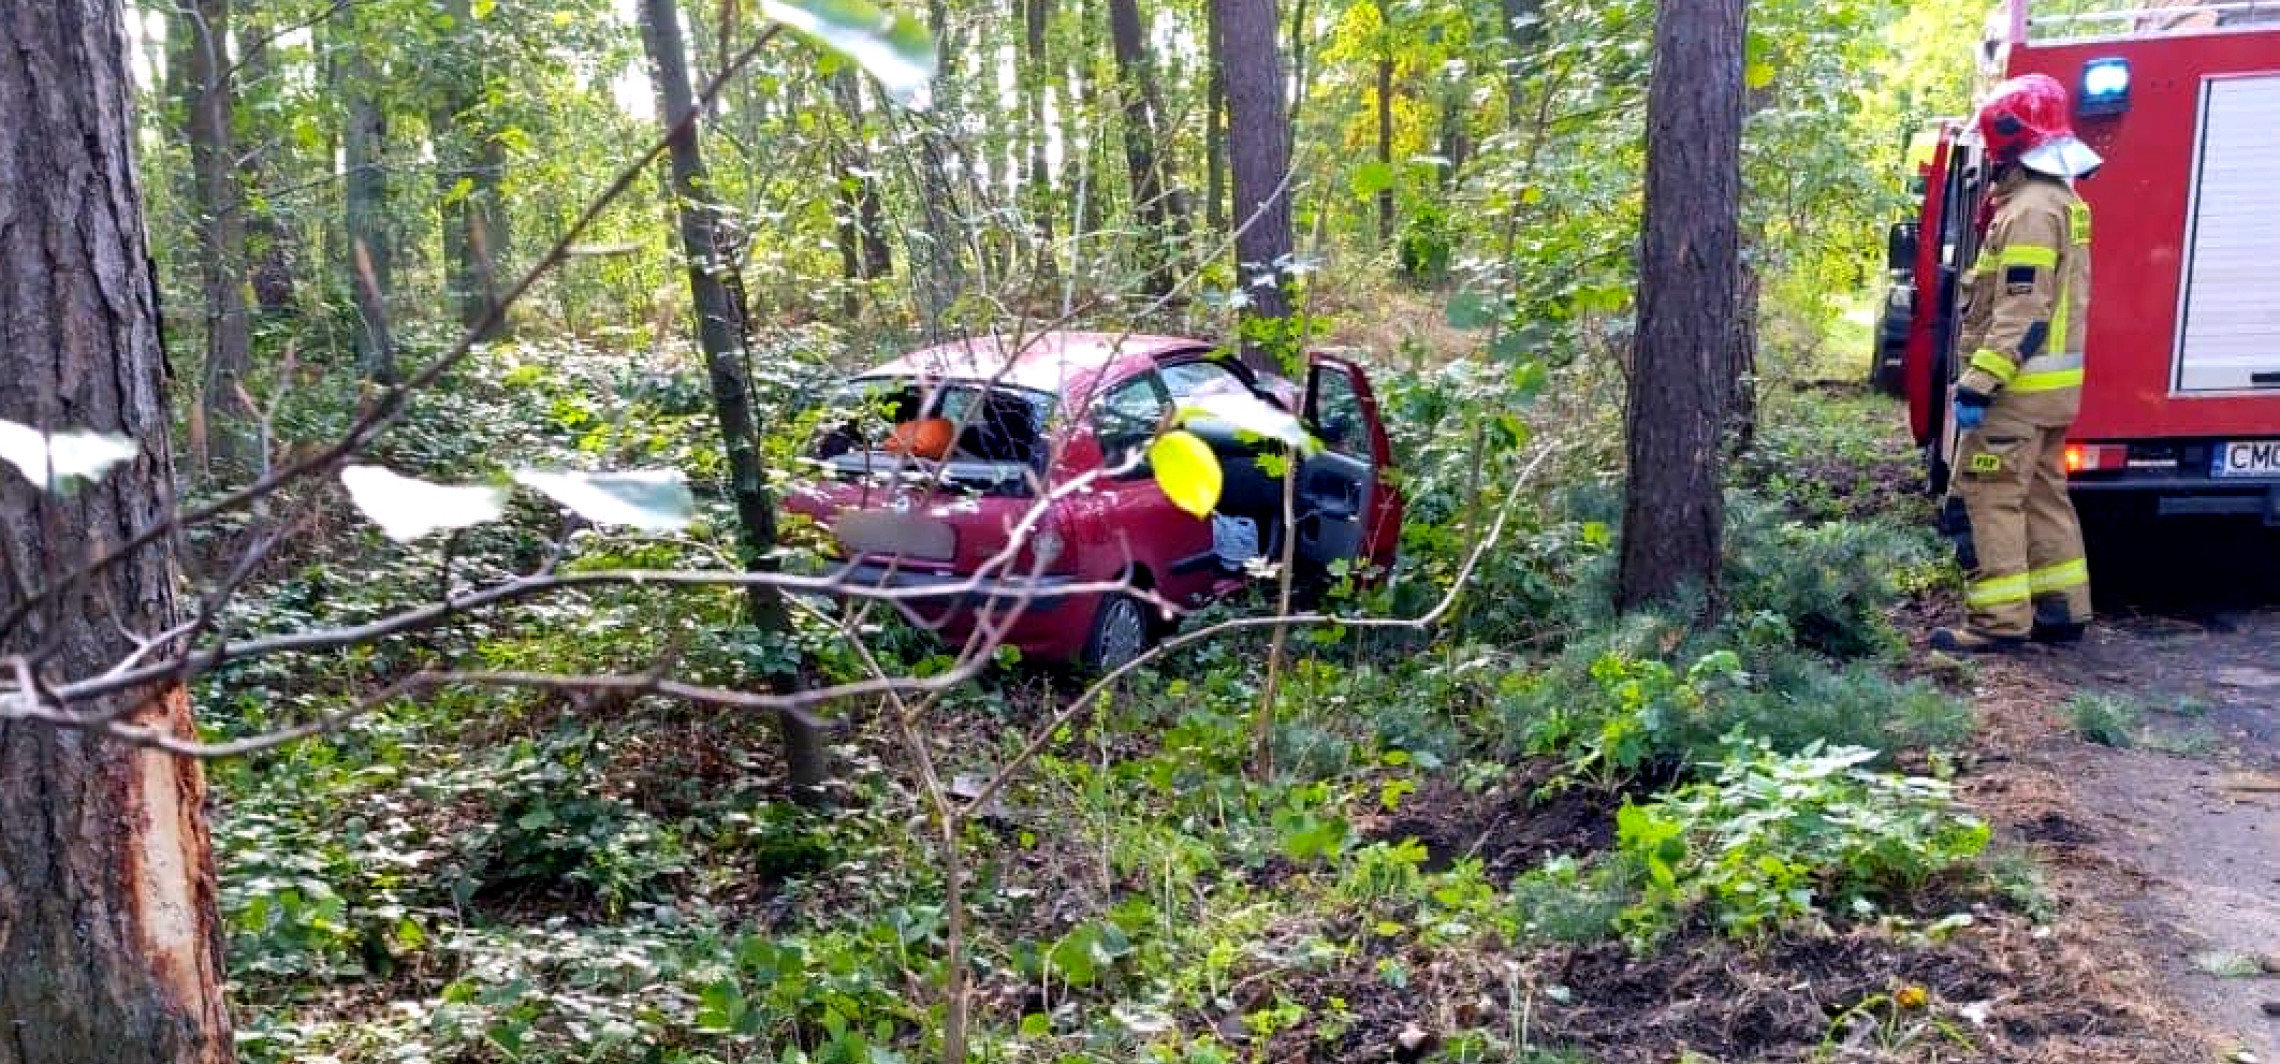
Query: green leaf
1187	471
407	508
1757	75
893	47
535	820
1072	957
720	1006
507	1035
652	500
1372	177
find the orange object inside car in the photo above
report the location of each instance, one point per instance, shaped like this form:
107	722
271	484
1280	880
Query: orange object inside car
926	437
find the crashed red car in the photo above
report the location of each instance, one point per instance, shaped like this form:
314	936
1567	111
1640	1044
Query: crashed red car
926	466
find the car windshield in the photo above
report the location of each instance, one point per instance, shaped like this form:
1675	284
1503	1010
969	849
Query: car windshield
874	422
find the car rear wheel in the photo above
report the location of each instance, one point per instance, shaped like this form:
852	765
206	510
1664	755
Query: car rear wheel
1120	633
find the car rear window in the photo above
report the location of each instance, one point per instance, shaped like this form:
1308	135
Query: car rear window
984	423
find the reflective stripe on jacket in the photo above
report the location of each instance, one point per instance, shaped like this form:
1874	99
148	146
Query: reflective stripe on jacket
2028	302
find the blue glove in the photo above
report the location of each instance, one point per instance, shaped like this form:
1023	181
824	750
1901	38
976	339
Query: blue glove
1970	410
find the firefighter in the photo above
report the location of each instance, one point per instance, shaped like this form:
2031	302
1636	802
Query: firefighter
2027	307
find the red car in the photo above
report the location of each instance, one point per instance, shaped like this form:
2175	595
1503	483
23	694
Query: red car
927	464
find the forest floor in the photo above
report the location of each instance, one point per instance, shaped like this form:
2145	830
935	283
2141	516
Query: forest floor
1439	870
2144	767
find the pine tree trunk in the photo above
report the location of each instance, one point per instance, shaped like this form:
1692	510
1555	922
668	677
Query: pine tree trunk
1037	181
720	335
937	264
371	251
221	237
1681	381
1214	125
1259	153
110	946
874	256
269	240
1141	145
468	150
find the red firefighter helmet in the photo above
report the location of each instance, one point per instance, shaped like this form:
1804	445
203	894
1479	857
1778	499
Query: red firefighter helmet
2024	122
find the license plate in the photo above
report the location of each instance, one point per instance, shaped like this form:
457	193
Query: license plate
2246	458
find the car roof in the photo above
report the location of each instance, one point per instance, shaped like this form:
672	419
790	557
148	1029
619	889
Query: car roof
1053	362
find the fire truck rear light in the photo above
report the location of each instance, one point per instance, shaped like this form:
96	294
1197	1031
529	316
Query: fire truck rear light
2105	87
2096	457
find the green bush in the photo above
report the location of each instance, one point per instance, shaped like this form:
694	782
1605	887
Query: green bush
1573	901
1779	838
1611	706
1833	583
552	822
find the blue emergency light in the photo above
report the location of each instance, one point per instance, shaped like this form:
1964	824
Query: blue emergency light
2105	87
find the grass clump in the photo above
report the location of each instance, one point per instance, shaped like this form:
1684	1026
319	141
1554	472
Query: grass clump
2108	720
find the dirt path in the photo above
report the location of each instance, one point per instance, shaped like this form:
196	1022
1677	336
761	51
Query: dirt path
2175	838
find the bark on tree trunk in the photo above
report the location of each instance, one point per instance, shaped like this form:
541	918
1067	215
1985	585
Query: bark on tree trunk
229	435
1036	69
1455	136
1259	151
269	241
1681	380
364	139
1300	75
1742	421
474	218
1214	126
719	333
937	265
1523	31
110	946
874	258
1385	145
1141	145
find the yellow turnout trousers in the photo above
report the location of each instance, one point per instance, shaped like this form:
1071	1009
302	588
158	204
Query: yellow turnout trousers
2029	565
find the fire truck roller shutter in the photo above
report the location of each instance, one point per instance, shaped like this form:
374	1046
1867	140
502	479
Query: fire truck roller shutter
2229	325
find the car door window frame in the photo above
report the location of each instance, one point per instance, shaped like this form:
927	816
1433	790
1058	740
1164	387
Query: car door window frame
1116	440
1359	440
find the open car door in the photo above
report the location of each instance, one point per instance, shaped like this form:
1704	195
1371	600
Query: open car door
1347	506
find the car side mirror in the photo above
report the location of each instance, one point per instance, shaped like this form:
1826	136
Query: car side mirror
1900	246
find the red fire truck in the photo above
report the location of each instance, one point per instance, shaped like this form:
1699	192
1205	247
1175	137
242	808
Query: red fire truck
2181	405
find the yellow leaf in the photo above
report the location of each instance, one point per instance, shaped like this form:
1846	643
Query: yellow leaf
1186	470
1757	75
1531	195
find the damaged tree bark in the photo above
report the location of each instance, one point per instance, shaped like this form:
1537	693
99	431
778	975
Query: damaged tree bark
109	942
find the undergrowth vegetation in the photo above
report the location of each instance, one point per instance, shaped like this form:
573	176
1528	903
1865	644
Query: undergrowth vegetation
481	876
